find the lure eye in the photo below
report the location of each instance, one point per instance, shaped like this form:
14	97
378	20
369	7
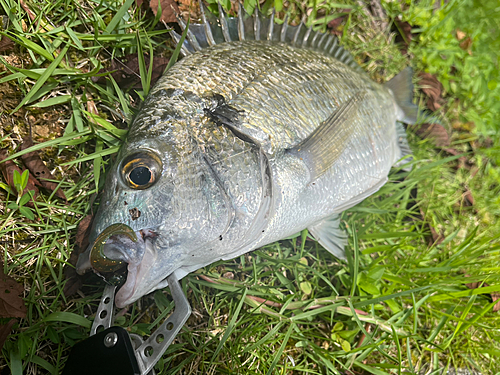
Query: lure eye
141	170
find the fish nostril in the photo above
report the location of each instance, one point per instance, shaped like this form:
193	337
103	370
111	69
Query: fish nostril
135	213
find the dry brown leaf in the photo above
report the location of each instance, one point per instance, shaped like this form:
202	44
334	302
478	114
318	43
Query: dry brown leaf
405	36
336	25
38	169
468	196
5	331
466	43
435	132
169	9
11	302
6	44
30	13
433	89
460	34
74	281
126	71
8	167
495	296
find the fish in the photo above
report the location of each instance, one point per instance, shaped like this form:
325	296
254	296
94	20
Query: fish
260	131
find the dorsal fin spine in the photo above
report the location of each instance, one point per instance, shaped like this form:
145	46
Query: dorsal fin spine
206	25
241	26
215	30
322	39
189	36
304	41
315	37
271	26
256	24
328	41
335	42
223	23
284	28
296	36
184	50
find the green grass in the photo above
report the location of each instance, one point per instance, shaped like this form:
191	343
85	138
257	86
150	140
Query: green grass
400	304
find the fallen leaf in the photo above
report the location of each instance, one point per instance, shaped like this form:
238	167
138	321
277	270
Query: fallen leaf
6	44
460	34
74	281
433	89
30	13
336	25
169	9
8	167
404	36
11	303
468	196
466	43
38	169
126	71
5	331
437	133
495	296
82	234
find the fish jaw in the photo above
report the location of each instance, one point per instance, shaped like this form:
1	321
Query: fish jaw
145	275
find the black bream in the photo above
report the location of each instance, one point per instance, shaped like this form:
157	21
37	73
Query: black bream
259	132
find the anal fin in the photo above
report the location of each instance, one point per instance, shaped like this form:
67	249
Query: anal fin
328	233
325	144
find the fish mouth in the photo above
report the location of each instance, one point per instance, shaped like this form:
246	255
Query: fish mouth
122	256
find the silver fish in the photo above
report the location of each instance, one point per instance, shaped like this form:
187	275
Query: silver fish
259	132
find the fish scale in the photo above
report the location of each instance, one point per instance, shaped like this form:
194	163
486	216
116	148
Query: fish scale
249	141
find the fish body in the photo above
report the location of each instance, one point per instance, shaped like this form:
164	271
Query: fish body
238	145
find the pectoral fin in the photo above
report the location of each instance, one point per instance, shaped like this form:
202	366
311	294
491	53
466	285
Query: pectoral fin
328	233
325	144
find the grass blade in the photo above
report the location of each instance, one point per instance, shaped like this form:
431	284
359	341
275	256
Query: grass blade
43	78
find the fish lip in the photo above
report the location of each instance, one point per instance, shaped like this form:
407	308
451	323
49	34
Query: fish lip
128	291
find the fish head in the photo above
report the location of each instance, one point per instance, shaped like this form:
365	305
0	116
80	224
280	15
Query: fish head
161	209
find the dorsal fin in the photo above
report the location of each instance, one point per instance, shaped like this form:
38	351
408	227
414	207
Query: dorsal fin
221	29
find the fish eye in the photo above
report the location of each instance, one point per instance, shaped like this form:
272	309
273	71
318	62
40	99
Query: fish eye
141	170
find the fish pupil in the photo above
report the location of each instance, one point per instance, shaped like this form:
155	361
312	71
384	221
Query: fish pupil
140	176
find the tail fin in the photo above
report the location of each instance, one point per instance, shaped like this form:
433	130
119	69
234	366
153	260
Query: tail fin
402	88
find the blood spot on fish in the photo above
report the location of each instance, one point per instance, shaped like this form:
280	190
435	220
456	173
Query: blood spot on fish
125	202
135	213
